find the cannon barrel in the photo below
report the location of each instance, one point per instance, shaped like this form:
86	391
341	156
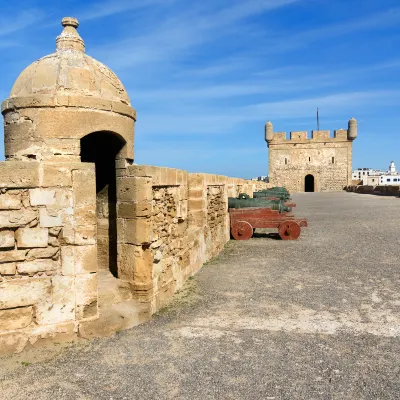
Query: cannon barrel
277	205
276	189
268	194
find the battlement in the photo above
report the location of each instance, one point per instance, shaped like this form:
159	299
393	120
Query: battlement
340	134
316	135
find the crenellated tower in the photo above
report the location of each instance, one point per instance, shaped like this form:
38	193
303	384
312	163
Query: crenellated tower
317	163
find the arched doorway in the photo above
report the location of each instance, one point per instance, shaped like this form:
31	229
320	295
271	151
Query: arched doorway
102	148
309	183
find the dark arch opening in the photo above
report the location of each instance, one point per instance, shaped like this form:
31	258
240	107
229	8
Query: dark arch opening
102	148
309	183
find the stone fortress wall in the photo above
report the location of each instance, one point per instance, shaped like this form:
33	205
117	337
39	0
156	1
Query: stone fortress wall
326	160
91	243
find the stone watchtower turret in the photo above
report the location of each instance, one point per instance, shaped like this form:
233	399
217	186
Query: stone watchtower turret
319	163
60	99
68	131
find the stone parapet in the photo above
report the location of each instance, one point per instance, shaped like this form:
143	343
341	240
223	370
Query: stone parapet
170	222
389	190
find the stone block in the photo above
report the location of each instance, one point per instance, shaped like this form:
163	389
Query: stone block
172	176
85	259
63	147
8	269
10	201
15	318
55	174
13	342
86	296
84	188
131	210
126	256
196	181
12	256
197	204
50	219
42	197
135	264
7	239
85	215
141	170
19	174
137	231
197	218
79	235
60	307
78	259
134	189
35	266
24	292
48	252
182	209
196	193
123	109
183	192
68	260
16	218
32	237
53	122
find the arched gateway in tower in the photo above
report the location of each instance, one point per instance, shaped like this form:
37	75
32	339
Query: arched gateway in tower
309	184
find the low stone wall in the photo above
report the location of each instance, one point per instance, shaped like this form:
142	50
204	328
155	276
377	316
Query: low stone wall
48	265
176	222
169	222
379	190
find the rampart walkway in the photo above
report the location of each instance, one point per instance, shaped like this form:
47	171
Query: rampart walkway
313	319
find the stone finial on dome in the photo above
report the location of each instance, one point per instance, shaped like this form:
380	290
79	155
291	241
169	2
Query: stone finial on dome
69	38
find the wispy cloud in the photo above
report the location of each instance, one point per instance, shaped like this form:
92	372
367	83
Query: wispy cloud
199	73
332	104
108	8
223	120
21	21
281	42
181	31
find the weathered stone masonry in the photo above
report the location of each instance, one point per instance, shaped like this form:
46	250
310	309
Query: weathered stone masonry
91	243
48	251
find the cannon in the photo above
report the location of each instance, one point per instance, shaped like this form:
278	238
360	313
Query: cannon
244	201
281	193
247	214
271	194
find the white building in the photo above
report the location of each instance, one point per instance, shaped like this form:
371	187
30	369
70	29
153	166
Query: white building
361	173
263	178
391	177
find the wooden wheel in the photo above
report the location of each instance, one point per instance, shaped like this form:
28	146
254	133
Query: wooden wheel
242	230
289	230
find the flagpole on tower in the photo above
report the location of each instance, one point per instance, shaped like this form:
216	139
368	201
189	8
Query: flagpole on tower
317	120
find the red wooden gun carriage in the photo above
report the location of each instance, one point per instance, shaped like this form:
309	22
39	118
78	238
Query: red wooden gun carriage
248	214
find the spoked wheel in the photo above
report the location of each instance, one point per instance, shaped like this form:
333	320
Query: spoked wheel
289	230
242	230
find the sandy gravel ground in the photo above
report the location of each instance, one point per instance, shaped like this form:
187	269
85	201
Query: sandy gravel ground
316	318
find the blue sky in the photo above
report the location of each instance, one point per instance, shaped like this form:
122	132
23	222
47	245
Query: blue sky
205	76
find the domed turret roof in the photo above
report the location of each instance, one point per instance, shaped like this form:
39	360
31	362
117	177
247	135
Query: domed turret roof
69	71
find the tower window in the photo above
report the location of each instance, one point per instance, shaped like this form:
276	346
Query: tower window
309	158
333	160
285	161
